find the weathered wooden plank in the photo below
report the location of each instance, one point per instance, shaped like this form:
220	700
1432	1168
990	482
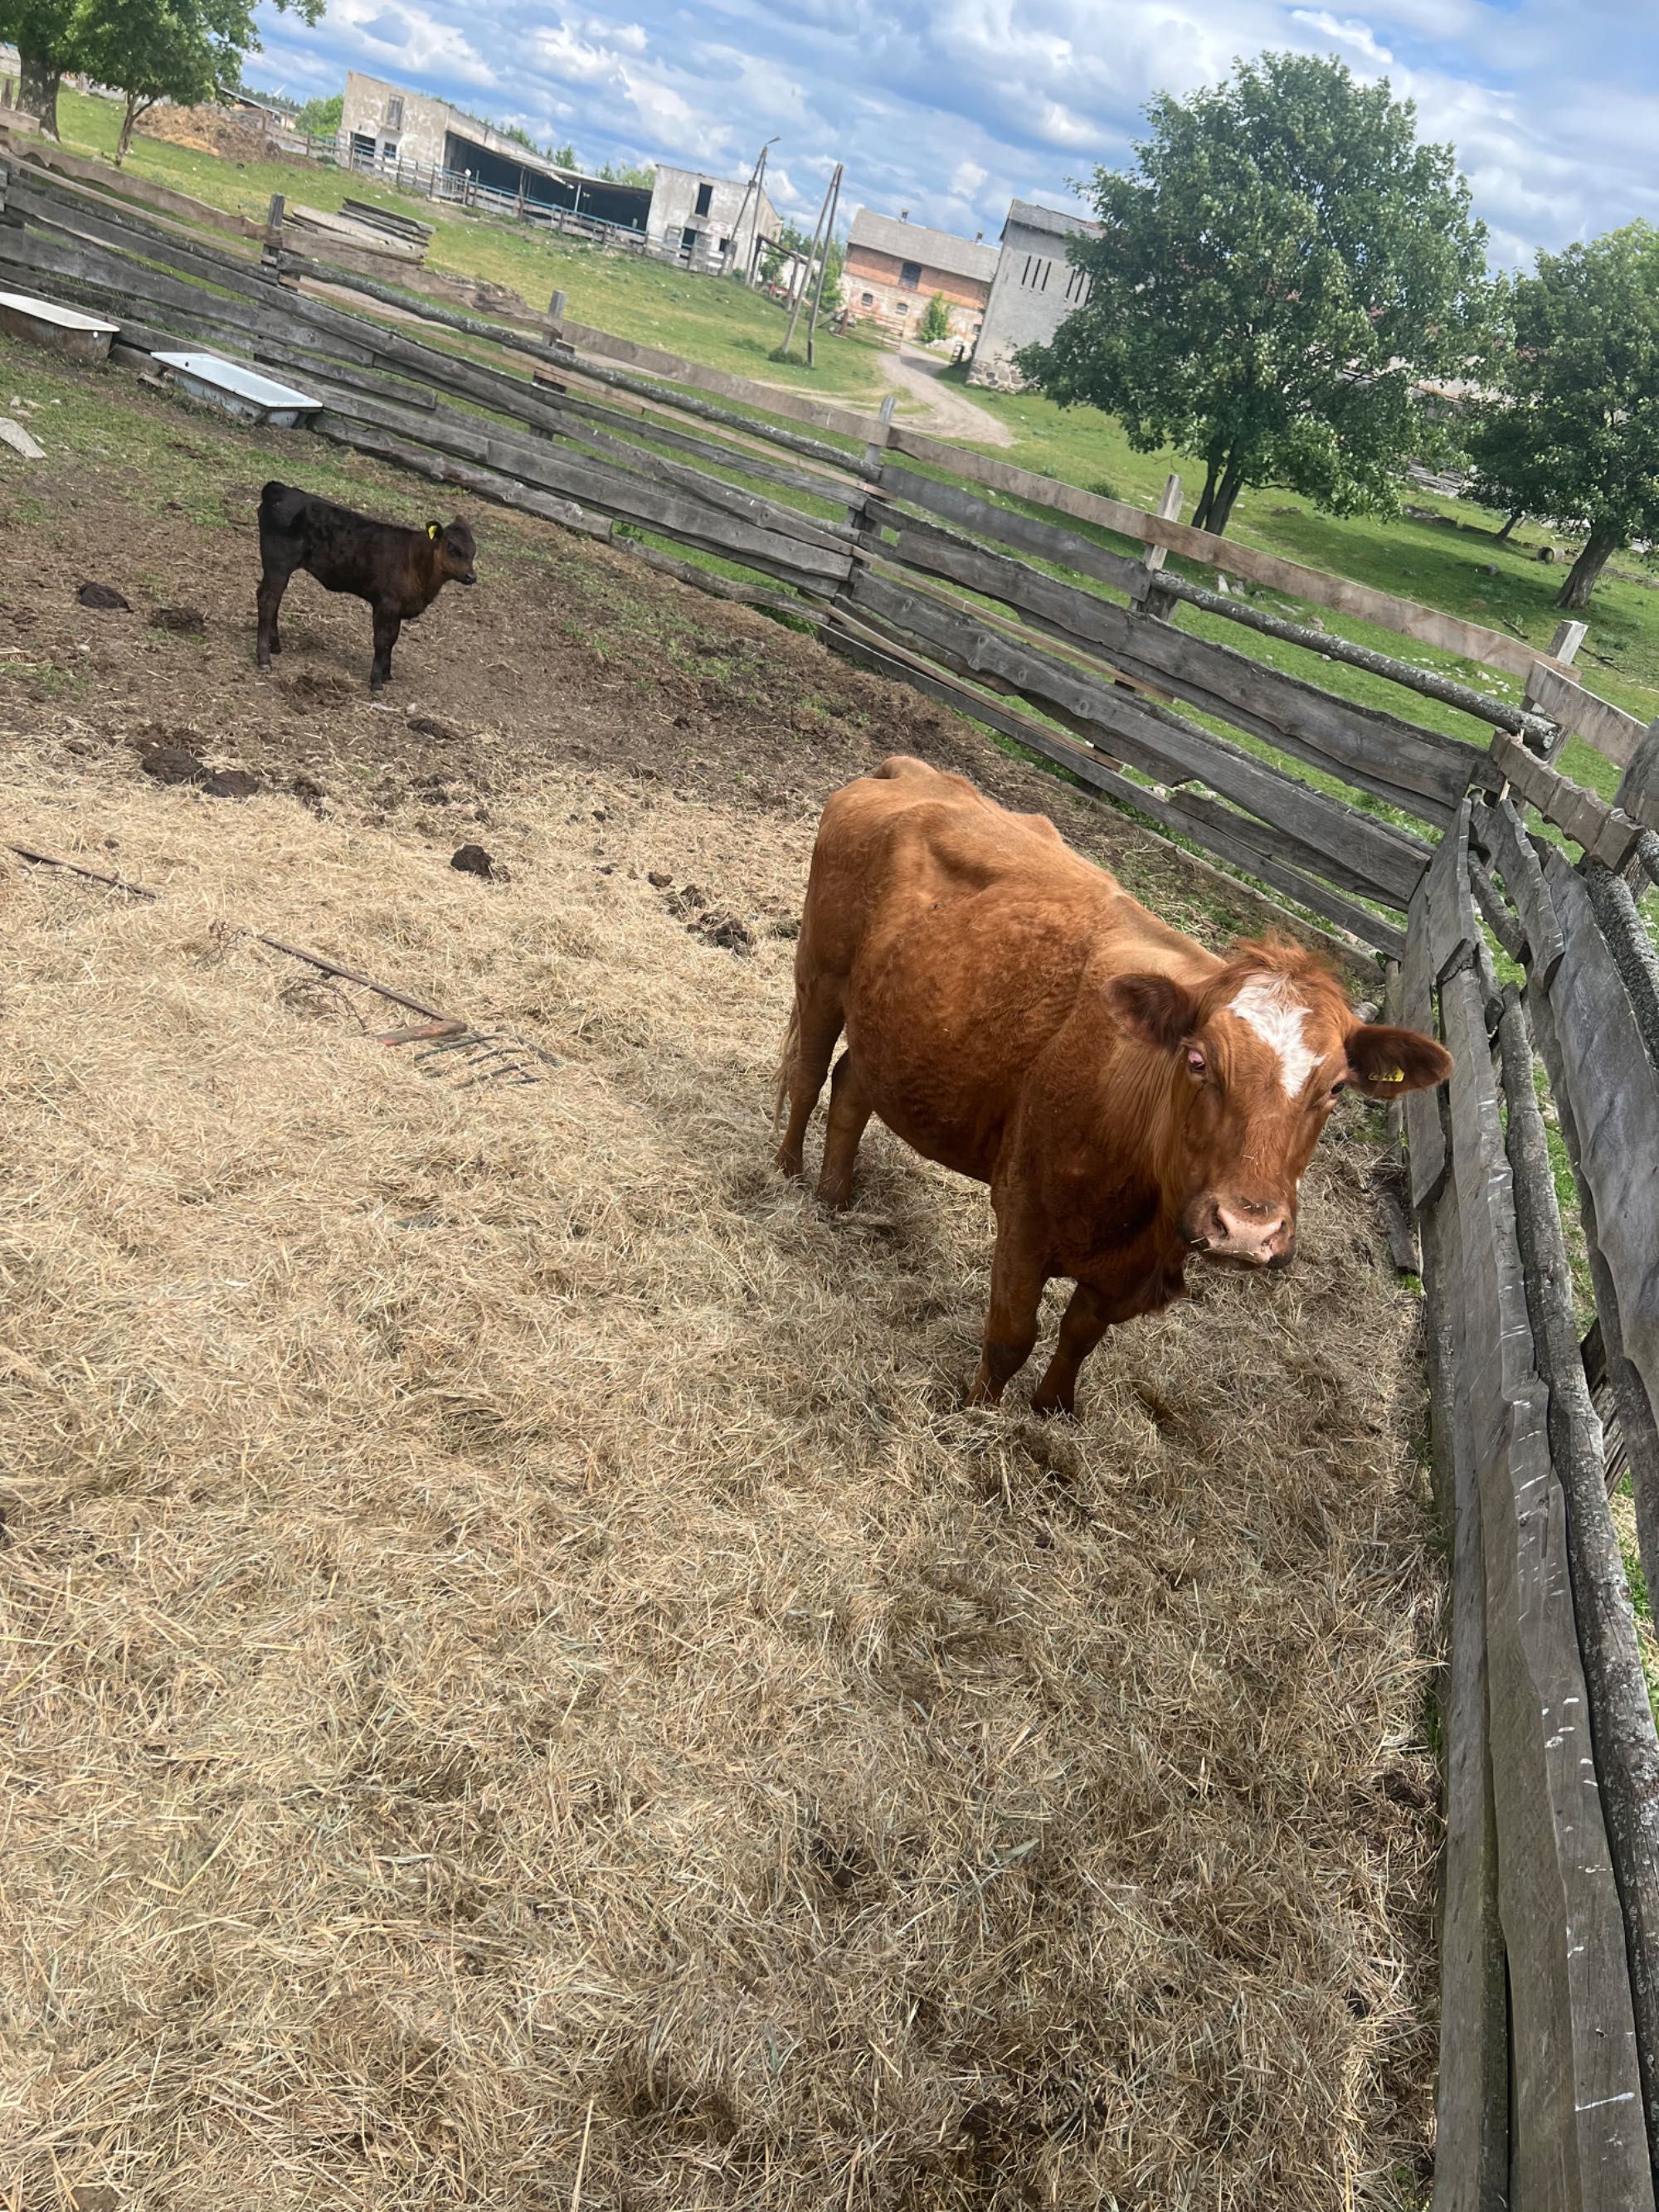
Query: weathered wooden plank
1231	836
1638	1431
593	487
1498	827
1626	1750
1448	911
128	187
1627	937
639	422
774	434
1374	859
1637	794
1046	539
1610	1089
1428	627
1472	2116
1417	770
818	413
1612	731
1579	2141
78	215
1427	1156
1601	830
488	484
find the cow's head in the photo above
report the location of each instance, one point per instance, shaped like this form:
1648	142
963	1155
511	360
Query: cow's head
453	550
1258	1056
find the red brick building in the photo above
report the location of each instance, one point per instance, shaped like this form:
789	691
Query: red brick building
893	268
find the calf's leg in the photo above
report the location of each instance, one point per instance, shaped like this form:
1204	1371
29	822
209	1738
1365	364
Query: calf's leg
807	1054
386	628
850	1108
269	597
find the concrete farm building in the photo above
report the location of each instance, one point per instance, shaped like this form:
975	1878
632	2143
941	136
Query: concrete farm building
706	222
1033	291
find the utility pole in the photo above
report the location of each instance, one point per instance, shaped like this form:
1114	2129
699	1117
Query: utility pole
824	263
832	190
750	190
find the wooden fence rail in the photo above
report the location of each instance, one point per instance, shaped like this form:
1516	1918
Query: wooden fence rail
905	556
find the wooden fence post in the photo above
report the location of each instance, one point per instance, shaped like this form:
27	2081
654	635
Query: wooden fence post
1637	794
271	249
1563	647
858	513
1154	602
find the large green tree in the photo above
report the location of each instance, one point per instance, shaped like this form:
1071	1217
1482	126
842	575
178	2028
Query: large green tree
147	49
1270	282
1575	435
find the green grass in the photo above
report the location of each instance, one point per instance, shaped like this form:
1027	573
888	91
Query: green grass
724	325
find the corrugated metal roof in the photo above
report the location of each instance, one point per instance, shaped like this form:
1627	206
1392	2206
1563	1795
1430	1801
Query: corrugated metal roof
1036	217
913	242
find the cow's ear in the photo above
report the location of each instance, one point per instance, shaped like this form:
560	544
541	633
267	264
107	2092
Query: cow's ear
1384	1062
1154	1009
435	530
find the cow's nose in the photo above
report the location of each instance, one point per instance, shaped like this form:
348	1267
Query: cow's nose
1253	1230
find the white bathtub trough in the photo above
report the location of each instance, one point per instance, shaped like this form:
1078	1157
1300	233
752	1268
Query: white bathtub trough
238	390
62	330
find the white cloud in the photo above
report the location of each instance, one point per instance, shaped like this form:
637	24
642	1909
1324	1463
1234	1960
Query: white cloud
1356	37
951	107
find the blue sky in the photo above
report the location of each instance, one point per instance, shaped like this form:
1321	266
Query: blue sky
948	110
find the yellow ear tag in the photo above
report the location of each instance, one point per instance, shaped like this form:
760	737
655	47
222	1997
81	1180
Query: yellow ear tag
432	530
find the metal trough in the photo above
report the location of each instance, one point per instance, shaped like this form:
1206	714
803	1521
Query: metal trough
62	330
238	391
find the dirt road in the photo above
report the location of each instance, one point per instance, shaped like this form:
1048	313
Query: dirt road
946	411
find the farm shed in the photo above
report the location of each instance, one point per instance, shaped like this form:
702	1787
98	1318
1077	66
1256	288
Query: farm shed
893	268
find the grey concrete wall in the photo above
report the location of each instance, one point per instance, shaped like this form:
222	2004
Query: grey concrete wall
674	196
425	124
1034	290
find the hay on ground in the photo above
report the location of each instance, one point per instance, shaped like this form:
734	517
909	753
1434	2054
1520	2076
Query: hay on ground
520	1664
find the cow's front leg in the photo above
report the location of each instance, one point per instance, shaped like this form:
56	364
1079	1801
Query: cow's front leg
386	628
1090	1315
1017	1276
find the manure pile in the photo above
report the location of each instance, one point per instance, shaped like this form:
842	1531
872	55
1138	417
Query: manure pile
525	1688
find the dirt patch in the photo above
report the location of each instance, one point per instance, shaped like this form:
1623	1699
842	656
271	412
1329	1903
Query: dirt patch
232	133
946	412
530	1669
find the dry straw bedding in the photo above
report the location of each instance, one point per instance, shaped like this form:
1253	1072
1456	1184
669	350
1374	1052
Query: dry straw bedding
521	1668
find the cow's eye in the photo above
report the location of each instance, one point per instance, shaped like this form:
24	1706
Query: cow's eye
1195	1060
1341	1083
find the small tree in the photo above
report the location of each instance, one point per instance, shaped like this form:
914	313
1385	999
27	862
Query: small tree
627	172
1575	437
147	50
1269	284
43	33
321	119
936	321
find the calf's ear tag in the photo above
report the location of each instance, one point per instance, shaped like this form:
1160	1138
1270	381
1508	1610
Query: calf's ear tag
432	530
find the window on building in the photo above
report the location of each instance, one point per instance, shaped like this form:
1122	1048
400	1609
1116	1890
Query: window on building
1034	277
1077	287
394	112
866	299
389	149
903	307
910	275
726	245
705	199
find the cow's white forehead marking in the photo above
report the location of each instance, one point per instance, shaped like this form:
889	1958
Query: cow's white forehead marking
1269	1005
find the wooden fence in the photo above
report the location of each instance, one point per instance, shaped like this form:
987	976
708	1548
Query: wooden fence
1050	615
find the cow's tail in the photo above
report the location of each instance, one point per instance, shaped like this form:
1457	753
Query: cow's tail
786	1066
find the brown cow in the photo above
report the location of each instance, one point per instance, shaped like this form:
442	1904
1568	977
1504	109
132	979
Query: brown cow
1011	1012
